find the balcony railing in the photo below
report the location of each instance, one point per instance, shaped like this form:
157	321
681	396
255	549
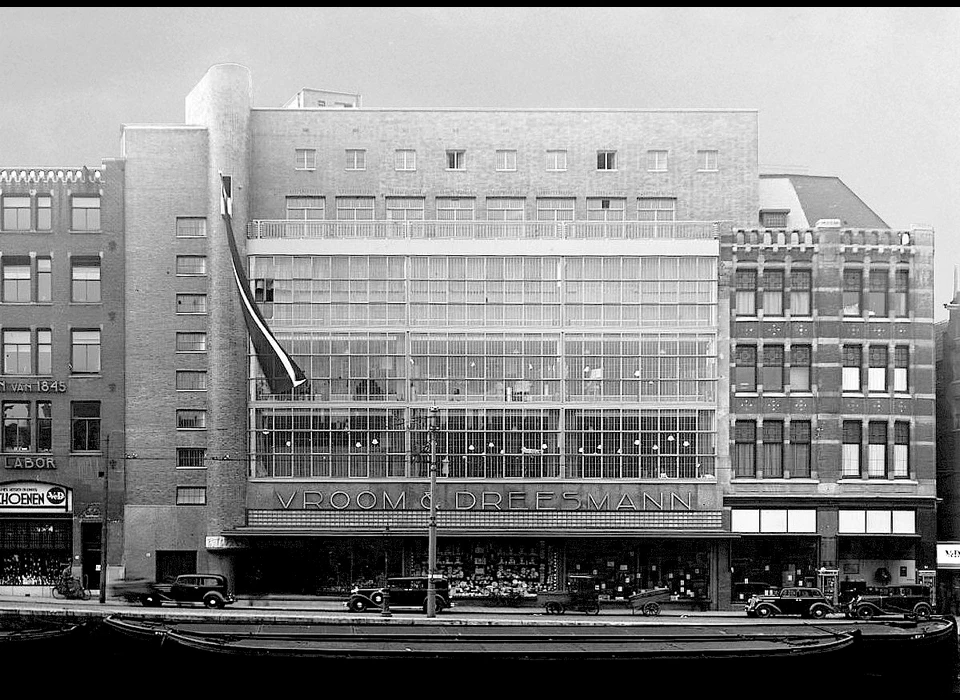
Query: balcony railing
485	230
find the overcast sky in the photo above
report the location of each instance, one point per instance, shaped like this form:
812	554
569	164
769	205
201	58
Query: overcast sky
869	95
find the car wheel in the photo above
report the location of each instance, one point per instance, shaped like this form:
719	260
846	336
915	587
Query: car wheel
818	611
553	608
377	598
923	610
438	605
151	601
865	612
764	611
212	601
357	605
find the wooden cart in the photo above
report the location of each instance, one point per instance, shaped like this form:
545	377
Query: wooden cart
648	601
581	595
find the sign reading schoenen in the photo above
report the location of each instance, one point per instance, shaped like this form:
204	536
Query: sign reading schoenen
34	497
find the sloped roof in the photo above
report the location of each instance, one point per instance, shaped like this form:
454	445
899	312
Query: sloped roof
826	197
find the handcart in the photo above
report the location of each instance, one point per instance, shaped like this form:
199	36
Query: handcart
581	595
648	601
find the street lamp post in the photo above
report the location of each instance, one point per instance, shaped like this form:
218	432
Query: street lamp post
432	542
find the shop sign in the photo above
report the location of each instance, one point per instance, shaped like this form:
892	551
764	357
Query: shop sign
34	497
39	386
948	555
29	462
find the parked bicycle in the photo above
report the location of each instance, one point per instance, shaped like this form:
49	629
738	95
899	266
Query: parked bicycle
71	588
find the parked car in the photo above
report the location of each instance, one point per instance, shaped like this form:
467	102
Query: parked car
405	592
212	590
806	602
909	599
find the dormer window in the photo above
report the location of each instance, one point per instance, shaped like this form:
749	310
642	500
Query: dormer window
774	218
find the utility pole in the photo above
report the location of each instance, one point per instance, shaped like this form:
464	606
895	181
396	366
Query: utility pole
432	542
103	519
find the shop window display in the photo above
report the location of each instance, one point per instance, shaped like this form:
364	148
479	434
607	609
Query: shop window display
770	563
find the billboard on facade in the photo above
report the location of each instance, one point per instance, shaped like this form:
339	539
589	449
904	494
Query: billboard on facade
29	497
948	555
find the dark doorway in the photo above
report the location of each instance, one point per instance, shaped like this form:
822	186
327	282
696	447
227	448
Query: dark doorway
171	564
90	554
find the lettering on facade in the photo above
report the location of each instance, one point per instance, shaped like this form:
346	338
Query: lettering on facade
27	496
32	462
41	386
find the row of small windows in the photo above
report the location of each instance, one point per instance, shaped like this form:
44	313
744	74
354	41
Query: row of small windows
506	160
26	281
28	426
30	352
26	213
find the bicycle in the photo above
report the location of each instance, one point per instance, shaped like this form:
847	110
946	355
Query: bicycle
71	588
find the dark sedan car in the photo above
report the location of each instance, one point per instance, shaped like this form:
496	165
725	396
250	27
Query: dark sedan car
910	599
212	590
405	592
806	602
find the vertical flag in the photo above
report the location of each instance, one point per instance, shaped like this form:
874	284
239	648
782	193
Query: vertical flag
281	372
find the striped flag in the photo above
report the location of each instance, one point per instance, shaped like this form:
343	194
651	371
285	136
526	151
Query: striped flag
281	372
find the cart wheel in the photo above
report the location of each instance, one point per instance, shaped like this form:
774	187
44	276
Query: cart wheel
651	609
553	608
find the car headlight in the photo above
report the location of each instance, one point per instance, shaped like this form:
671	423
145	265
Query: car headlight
354	590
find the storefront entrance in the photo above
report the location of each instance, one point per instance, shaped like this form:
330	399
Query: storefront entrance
90	553
33	551
869	562
762	564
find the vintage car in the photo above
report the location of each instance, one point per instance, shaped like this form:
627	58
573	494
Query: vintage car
212	590
907	599
806	602
405	592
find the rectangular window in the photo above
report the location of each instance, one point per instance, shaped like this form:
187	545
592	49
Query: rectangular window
17	352
745	448
262	290
877	450
801	286
746	293
505	208
85	426
355	208
191	380
798	460
556	161
773	292
772	465
773	219
44	212
191	419
405	159
772	376
305	158
190	457
44	279
44	352
16	281
191	227
456	160
656	161
708	160
800	360
455	208
191	303
85	352
44	426
404	208
877	297
852	292
305	208
877	372
191	265
901	290
84	213
16	213
745	372
85	280
191	342
506	160
852	443
606	160
852	362
191	495
656	209
356	159
603	209
901	361
901	450
16	426
555	208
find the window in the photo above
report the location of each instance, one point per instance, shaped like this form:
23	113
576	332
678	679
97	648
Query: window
456	160
877	297
17	352
16	426
191	265
263	290
773	292
901	289
85	352
191	342
44	352
505	209
852	291
305	158
16	213
656	209
877	372
190	457
556	161
798	455
191	419
901	361
191	303
773	219
772	464
305	208
901	450
44	279
656	161
606	160
355	208
85	280
772	373
191	495
191	227
191	380
85	426
455	208
852	439
745	372
44	212
85	213
708	160
877	450
16	281
801	285
555	208
745	448
746	293
603	209
405	159
506	160
404	208
800	361
44	426
852	360
356	159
